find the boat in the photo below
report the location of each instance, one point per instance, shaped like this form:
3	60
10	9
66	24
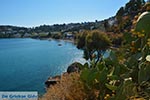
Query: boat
59	44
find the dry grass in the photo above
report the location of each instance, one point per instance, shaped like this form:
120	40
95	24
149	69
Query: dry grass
69	88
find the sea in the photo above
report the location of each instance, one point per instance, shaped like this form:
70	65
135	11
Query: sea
25	64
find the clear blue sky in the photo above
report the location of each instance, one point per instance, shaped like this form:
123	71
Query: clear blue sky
31	13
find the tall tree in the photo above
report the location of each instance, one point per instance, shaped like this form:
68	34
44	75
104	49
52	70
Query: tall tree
94	45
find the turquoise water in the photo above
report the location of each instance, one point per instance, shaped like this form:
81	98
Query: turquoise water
25	64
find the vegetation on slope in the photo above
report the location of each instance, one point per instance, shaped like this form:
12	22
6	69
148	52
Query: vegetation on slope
69	88
123	75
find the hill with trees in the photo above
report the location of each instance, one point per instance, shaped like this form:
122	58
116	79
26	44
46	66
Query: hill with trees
123	74
121	22
47	30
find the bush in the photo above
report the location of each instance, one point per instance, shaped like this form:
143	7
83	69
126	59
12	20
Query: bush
69	88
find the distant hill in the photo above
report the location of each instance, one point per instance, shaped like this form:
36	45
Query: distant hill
11	31
120	22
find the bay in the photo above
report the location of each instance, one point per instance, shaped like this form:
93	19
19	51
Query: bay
25	64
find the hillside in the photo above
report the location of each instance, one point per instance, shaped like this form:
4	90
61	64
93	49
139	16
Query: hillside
120	22
47	30
124	74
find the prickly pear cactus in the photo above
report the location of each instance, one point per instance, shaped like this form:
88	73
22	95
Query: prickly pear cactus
143	24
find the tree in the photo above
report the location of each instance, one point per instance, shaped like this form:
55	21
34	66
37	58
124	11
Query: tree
94	43
134	6
120	12
56	36
81	39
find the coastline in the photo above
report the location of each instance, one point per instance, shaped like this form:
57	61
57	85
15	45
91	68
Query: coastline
27	44
66	40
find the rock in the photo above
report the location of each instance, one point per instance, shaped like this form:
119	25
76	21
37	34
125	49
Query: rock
52	81
74	67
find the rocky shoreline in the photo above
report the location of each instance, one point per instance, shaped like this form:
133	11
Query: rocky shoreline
74	67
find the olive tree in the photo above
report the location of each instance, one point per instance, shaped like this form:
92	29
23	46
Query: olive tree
94	43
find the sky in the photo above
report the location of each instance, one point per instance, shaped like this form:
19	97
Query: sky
31	13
